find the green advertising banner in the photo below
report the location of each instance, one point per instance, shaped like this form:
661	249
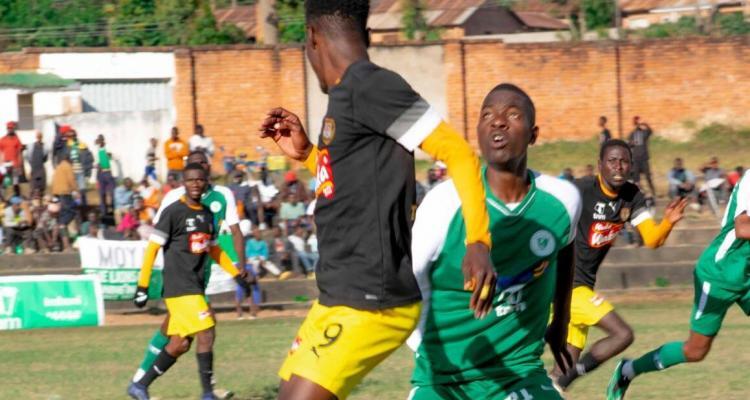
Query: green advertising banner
50	301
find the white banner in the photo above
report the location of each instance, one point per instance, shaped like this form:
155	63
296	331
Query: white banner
118	262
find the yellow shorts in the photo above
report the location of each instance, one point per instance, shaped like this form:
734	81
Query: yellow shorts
188	315
337	346
587	308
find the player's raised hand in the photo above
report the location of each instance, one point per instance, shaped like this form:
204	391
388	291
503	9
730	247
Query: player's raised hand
479	278
141	297
675	210
285	128
556	337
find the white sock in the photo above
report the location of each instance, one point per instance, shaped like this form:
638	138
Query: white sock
627	370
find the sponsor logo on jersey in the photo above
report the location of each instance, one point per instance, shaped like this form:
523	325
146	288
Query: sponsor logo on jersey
215	206
198	242
329	130
511	300
325	185
190	224
542	243
201	218
603	233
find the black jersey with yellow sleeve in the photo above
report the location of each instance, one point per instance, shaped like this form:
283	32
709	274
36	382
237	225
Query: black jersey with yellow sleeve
186	234
366	192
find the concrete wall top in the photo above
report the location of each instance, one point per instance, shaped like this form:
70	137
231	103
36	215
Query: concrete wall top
109	66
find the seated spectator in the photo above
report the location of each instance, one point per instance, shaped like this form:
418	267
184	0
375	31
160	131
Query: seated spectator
308	259
128	225
283	255
92	227
248	201
567	175
59	236
123	199
681	181
293	185
256	256
268	194
588	171
16	227
149	192
171	183
145	217
734	176
291	209
715	182
436	174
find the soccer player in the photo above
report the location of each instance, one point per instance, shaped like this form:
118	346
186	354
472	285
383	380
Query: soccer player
535	217
720	280
220	201
369	299
609	201
187	233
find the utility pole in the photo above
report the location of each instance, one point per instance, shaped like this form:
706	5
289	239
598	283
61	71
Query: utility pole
267	31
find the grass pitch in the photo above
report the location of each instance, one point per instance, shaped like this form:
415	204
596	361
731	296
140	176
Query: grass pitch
97	363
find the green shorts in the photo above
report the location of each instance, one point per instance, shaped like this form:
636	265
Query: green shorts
536	387
711	303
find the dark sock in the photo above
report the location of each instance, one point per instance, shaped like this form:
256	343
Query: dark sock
163	362
206	370
585	364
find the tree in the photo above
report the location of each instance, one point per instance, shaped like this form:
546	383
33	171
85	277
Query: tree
134	24
291	15
598	13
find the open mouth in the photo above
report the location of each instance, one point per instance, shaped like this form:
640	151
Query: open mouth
498	140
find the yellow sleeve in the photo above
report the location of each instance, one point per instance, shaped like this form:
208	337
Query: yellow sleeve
224	261
311	162
446	145
654	235
144	277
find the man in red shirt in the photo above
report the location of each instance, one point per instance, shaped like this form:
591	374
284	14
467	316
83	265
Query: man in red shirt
10	152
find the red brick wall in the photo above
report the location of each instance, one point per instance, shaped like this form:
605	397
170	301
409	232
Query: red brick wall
20	61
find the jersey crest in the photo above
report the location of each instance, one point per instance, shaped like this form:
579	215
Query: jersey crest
329	130
542	243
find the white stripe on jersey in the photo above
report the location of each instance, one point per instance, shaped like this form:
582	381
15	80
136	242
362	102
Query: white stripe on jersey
567	194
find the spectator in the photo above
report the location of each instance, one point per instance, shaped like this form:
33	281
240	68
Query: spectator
123	199
567	175
83	163
256	257
734	176
59	233
64	188
151	159
175	150
128	225
294	186
681	181
199	141
308	259
267	192
145	217
588	171
44	223
715	179
282	254
16	227
291	209
91	227
639	144
172	183
60	143
37	157
104	177
604	134
249	205
435	175
10	155
148	190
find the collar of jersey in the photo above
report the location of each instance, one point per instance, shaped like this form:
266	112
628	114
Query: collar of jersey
604	189
184	200
499	205
209	189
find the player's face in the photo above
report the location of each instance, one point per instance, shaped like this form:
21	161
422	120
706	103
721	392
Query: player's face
201	159
195	183
503	130
614	167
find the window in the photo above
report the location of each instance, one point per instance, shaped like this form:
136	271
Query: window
25	111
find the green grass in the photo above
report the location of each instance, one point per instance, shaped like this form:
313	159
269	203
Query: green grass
96	363
726	142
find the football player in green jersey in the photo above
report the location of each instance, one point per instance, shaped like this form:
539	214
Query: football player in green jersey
534	216
721	279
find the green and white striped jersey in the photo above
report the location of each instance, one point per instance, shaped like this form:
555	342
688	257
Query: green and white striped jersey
725	261
452	346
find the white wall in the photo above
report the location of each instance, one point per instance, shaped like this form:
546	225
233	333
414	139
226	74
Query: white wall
102	66
8	106
127	135
57	102
421	66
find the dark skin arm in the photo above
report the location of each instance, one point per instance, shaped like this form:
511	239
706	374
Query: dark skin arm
239	245
557	332
742	226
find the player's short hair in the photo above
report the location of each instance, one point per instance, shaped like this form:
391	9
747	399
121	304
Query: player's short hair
340	17
194	166
528	104
614	143
197	152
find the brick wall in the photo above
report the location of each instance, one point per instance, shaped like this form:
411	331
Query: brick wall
18	61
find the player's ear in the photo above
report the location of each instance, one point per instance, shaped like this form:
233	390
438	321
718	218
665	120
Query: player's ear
534	135
312	36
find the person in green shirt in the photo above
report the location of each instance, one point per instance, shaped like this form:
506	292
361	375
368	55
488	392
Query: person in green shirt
104	176
721	279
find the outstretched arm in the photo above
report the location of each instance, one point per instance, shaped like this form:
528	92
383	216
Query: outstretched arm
655	235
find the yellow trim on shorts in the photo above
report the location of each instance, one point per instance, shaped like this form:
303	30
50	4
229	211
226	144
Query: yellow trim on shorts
587	308
188	315
337	346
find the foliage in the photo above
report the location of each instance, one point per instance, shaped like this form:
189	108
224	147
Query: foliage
291	15
598	13
685	26
733	24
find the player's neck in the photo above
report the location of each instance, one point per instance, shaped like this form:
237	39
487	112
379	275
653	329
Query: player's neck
345	55
608	191
509	183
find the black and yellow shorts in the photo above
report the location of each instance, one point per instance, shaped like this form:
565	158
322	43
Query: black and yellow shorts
337	346
188	315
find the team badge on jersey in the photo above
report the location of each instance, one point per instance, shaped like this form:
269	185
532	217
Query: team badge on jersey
198	242
329	130
542	243
603	233
215	207
325	185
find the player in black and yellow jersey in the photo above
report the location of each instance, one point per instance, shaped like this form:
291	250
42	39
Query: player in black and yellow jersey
187	234
609	201
364	163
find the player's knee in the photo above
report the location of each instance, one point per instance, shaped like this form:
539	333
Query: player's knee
695	353
627	336
205	339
